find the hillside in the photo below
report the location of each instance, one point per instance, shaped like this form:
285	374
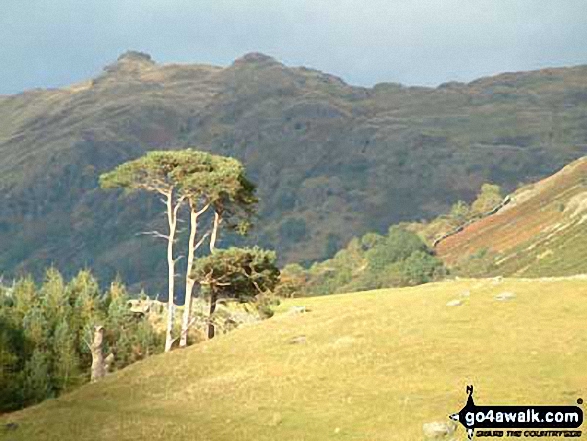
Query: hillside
367	366
332	161
541	232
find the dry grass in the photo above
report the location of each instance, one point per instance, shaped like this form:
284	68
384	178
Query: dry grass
372	366
541	233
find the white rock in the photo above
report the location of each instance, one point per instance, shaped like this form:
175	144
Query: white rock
505	296
455	302
436	429
297	310
300	339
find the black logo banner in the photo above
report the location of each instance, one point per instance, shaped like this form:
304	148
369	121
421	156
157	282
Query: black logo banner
474	417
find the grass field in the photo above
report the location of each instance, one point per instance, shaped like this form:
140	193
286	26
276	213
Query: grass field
366	366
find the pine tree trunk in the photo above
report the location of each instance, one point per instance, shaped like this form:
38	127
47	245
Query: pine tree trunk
98	368
217	221
211	330
187	312
172	221
189	281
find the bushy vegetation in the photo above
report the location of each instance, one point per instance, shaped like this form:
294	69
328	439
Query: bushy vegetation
400	258
242	274
46	330
489	197
403	257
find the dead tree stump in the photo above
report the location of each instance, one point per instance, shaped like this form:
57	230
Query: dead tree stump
98	365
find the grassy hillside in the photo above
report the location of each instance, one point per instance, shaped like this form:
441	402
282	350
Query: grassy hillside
542	232
332	161
366	366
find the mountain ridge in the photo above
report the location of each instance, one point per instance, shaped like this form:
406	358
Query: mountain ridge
139	57
332	160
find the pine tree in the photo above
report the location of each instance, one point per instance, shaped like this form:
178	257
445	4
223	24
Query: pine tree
66	362
36	382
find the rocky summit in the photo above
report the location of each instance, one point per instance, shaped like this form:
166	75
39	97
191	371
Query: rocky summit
331	160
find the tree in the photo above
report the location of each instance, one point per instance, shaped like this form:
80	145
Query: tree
46	335
203	180
371	240
24	297
236	273
460	212
292	281
218	182
128	337
421	267
156	172
398	245
37	381
66	358
83	293
11	359
488	198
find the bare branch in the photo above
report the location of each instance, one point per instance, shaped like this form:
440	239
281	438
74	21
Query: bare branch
154	234
257	286
178	204
202	239
87	343
198	213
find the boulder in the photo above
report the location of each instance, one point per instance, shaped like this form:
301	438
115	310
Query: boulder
437	430
297	310
298	340
505	296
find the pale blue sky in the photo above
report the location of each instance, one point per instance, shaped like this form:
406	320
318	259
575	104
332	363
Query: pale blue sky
51	43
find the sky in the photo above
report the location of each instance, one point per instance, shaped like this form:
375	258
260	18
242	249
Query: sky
53	43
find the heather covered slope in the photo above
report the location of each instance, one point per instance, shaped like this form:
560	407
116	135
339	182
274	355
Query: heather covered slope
541	232
365	366
332	161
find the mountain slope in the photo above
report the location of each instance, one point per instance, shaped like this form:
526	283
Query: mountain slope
541	232
332	161
365	366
